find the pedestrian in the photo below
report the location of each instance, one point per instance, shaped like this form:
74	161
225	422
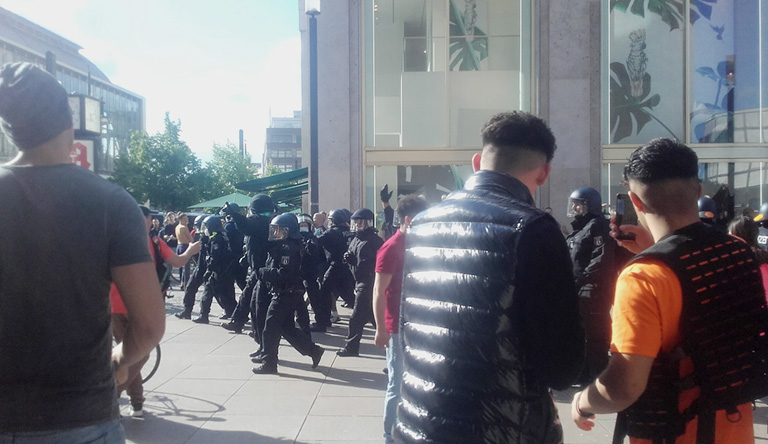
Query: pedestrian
593	252
183	239
254	299
58	369
689	343
388	227
386	305
219	281
489	307
282	275
337	281
318	222
161	253
361	259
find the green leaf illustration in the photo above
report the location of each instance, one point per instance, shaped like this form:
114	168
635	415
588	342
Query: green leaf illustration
670	11
626	109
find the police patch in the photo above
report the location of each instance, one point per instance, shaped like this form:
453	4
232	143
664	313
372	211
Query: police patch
598	241
285	260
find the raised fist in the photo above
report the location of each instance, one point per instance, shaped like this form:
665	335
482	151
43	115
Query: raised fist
385	194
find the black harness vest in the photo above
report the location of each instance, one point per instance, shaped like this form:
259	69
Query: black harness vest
723	328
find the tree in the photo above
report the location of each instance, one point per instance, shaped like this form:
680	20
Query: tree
228	167
161	169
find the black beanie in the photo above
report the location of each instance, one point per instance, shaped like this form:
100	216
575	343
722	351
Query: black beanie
34	107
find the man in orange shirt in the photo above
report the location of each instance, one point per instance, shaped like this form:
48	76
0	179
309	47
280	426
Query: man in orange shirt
687	267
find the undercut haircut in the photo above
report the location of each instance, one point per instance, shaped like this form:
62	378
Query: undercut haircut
410	206
662	159
514	135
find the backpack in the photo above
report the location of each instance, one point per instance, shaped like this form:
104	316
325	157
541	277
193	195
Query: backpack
724	326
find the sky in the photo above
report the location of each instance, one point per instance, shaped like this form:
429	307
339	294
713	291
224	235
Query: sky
216	66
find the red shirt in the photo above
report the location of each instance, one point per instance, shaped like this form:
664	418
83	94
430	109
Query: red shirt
114	295
389	260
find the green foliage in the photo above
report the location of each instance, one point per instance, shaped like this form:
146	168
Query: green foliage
466	52
670	11
161	169
625	108
270	170
228	167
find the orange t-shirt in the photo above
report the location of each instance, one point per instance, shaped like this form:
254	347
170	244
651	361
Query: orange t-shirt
646	318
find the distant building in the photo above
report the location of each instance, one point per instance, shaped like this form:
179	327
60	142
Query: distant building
283	144
123	112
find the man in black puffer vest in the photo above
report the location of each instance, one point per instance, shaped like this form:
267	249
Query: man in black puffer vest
490	318
689	337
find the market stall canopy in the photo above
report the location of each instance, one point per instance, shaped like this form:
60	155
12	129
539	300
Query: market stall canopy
285	189
269	183
238	198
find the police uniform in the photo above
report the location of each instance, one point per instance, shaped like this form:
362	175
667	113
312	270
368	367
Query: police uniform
282	276
361	258
594	267
337	280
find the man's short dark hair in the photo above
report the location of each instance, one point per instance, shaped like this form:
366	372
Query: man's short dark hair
662	159
410	206
519	130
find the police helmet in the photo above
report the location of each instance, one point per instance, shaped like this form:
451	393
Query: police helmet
212	224
762	216
261	204
583	201
363	219
707	208
339	217
284	226
305	223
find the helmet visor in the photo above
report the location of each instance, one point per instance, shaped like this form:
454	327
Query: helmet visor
278	233
361	224
576	207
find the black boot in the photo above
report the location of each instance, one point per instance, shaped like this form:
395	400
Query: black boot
233	326
186	314
203	319
265	369
349	350
317	353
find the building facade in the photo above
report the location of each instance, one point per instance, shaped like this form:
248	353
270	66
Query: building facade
122	112
405	86
282	148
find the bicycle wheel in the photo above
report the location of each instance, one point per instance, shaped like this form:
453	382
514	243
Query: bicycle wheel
150	368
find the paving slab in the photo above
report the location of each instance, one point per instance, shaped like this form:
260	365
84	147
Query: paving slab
205	392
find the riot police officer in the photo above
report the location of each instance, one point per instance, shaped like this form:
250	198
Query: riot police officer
361	258
337	280
236	244
310	265
282	276
762	222
218	278
255	227
594	267
197	271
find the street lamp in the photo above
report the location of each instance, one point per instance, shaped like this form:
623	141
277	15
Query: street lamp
312	9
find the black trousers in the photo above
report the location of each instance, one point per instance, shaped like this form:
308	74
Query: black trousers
190	291
259	305
337	282
223	291
361	315
243	309
280	322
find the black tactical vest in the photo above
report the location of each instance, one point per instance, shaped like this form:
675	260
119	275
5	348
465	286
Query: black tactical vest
723	327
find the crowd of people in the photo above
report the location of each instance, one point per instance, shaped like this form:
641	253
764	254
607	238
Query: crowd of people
482	305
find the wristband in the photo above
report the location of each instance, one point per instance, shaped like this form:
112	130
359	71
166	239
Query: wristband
581	413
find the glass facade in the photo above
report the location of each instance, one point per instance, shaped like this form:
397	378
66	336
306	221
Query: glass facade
435	71
123	111
693	70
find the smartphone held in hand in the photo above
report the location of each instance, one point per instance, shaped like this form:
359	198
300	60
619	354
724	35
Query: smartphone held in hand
625	215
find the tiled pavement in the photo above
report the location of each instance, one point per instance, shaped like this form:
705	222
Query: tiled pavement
204	392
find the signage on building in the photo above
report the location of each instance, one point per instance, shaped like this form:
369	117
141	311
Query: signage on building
82	154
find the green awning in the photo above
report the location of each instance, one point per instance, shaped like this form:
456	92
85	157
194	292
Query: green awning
290	192
240	199
265	183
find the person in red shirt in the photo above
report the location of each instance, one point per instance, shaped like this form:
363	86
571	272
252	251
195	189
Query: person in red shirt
386	304
133	385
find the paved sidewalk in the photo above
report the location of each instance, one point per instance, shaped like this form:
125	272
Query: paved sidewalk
204	392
